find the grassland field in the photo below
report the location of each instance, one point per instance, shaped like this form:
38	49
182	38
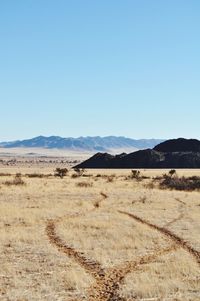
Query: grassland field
97	236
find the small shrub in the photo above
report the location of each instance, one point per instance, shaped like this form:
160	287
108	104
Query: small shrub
180	183
60	172
110	178
172	172
135	174
79	171
18	180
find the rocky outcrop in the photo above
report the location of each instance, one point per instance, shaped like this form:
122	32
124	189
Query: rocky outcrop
99	160
179	145
177	153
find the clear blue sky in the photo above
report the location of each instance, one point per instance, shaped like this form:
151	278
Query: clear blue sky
99	67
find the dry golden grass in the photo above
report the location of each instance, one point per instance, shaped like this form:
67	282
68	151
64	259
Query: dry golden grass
68	239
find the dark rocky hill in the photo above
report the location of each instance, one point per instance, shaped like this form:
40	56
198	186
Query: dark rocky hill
175	154
99	160
179	145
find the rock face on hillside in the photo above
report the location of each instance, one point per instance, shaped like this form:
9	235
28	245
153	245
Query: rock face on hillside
177	153
99	160
179	145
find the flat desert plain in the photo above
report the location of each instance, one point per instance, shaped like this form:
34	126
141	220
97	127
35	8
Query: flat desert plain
100	235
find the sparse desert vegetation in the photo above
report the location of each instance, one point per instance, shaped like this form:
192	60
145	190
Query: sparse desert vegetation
98	235
100	150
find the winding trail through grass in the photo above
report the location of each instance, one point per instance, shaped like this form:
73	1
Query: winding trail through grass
89	265
107	282
175	238
182	209
107	288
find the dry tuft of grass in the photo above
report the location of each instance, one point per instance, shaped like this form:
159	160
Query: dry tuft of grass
84	184
5	174
16	181
38	175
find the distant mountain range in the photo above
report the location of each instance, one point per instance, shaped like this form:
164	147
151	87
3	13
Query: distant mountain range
175	153
93	144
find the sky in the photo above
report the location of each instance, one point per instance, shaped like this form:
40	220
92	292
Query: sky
99	67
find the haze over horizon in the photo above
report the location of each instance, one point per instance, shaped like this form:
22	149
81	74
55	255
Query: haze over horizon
100	68
86	136
97	136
